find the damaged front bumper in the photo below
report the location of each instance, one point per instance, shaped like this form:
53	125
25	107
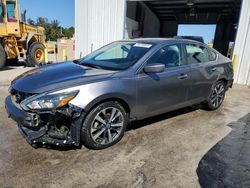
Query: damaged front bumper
60	128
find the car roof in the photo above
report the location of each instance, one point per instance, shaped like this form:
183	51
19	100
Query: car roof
161	40
195	38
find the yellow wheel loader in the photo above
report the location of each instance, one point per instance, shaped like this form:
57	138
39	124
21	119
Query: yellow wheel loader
18	39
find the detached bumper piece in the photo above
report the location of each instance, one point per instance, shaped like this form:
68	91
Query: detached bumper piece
47	127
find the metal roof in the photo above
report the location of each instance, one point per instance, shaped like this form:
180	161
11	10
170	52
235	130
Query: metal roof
188	11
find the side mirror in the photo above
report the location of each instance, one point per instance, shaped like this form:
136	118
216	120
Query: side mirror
154	68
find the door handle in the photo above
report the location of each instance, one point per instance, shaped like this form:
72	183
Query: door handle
182	76
213	69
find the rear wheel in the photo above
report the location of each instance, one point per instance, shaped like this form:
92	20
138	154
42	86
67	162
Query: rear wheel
104	126
2	57
36	54
216	96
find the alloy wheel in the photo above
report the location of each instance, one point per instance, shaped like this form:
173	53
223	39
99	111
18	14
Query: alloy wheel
107	126
217	95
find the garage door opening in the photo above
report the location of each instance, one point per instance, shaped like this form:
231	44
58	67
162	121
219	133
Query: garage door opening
157	18
198	30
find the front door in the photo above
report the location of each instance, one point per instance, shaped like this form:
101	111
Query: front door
161	92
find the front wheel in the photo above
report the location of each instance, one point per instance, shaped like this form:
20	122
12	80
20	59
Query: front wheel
36	54
104	126
216	96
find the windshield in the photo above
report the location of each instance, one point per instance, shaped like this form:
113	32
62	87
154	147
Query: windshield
117	55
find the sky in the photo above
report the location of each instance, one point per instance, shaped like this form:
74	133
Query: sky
206	31
62	10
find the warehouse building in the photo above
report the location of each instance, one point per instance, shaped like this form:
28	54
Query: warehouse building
99	22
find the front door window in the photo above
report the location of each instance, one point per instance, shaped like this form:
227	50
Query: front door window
170	56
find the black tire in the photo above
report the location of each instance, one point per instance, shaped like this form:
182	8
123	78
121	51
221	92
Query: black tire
2	57
216	96
35	55
88	132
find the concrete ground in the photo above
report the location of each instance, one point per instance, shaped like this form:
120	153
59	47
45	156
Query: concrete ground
162	151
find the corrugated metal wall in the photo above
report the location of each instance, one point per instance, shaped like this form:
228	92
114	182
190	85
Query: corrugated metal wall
242	46
98	22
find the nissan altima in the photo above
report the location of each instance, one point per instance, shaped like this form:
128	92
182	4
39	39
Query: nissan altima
90	101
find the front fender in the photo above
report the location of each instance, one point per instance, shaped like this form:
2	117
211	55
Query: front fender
119	96
91	94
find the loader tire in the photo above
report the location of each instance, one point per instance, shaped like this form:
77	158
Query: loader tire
2	57
35	55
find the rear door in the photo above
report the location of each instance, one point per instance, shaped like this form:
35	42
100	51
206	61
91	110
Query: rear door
204	71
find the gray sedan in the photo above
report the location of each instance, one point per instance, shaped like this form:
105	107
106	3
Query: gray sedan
91	100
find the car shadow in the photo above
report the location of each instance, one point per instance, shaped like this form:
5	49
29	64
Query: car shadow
227	164
13	65
54	147
141	123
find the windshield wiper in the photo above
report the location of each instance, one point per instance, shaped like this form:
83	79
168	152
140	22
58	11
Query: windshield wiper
76	61
91	65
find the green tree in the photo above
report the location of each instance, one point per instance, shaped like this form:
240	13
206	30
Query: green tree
53	30
68	32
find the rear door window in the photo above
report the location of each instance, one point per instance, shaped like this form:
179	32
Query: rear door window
196	54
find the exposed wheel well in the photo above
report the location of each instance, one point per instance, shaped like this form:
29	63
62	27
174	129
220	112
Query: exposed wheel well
225	81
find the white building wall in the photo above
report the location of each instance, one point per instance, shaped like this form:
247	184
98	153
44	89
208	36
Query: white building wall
98	22
131	26
242	46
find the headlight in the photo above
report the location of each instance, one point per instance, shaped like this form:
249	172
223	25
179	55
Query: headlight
48	101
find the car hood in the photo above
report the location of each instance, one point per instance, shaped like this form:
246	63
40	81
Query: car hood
58	76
